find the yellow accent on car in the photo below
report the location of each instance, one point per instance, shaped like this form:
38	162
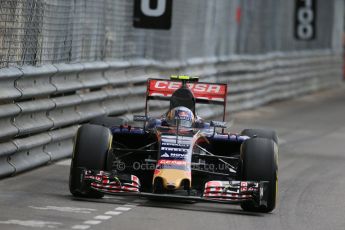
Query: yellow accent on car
184	77
173	177
110	142
180	77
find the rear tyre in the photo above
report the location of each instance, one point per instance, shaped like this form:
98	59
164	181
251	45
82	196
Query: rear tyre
262	133
91	151
260	163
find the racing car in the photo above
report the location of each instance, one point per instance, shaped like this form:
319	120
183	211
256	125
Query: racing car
178	155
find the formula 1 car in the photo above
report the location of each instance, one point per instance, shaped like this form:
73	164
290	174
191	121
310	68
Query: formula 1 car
177	156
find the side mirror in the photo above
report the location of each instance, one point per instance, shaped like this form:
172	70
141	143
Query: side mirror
218	124
140	118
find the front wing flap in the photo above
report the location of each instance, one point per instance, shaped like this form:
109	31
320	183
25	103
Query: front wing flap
237	191
108	182
232	192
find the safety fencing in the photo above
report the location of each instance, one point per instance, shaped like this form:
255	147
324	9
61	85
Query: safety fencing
41	107
42	32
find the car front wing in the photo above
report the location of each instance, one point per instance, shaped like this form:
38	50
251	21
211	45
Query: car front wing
231	192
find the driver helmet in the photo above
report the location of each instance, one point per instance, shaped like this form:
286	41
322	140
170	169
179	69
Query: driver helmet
181	116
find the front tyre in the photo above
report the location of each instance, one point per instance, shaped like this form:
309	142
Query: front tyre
262	133
91	151
107	121
260	163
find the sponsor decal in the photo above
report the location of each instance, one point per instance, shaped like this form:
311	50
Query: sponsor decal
213	184
244	189
174	137
170	149
165	88
174	155
195	87
172	162
175	145
244	184
165	155
174	149
178	155
172	141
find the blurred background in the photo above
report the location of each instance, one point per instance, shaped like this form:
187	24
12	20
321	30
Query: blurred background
41	32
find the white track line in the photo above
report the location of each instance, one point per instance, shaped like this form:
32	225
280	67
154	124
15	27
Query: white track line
92	222
112	213
32	223
123	209
65	209
102	217
131	205
107	215
81	227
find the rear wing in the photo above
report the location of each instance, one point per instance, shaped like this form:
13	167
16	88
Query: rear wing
204	93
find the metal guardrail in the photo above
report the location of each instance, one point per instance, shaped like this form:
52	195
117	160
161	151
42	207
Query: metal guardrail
41	107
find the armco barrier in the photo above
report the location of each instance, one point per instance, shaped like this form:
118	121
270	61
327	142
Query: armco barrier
41	107
8	77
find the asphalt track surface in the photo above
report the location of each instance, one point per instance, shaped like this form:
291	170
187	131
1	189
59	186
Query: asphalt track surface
311	182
